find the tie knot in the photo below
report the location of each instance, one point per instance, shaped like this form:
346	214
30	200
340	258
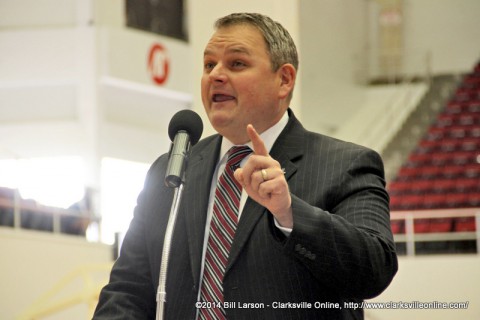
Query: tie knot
236	154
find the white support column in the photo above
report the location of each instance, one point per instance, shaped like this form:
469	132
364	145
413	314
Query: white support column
89	110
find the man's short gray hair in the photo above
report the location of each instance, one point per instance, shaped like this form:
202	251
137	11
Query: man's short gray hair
280	45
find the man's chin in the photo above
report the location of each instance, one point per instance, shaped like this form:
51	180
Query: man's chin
220	118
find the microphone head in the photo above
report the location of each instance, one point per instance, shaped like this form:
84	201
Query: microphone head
188	121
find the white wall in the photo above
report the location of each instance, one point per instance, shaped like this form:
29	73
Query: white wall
33	263
37	261
447	30
453	278
332	36
339	49
70	71
38	13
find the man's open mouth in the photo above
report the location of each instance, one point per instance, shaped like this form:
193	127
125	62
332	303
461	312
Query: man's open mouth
221	98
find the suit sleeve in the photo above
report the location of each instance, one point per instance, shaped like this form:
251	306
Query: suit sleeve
349	248
130	293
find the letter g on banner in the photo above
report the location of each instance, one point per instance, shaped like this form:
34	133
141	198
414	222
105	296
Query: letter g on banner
158	64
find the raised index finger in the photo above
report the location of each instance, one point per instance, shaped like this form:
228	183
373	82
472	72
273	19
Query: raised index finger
257	142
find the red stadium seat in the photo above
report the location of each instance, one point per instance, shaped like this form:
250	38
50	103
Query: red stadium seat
421	225
464	224
443	172
398	226
441	225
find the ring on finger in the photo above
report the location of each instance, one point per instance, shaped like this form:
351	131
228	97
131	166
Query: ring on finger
264	174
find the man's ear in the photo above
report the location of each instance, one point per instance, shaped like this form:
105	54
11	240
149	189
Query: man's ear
288	75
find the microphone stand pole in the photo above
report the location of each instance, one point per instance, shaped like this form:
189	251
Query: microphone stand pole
162	283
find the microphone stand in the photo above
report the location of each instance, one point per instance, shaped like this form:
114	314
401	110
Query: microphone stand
162	283
183	124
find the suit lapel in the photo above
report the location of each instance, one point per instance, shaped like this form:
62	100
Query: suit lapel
285	150
195	204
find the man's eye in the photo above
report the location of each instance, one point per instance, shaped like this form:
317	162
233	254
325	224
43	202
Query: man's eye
209	65
237	64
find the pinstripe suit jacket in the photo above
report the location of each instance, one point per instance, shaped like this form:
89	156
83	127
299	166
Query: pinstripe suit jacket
341	248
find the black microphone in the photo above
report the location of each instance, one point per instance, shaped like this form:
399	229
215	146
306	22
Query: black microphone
184	130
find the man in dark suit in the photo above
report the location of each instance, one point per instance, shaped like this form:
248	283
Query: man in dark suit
313	234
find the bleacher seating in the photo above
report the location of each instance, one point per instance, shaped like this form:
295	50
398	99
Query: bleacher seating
443	172
34	216
6	212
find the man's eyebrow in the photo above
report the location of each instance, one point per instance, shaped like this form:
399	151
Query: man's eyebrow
233	49
238	49
207	52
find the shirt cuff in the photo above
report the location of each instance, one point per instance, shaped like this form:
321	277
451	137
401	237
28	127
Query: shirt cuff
285	231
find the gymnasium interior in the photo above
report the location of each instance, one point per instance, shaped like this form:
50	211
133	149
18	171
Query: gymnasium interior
88	87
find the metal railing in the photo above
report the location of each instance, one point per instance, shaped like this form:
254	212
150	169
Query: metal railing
410	237
16	207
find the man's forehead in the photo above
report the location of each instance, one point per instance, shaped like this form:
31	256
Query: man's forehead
235	39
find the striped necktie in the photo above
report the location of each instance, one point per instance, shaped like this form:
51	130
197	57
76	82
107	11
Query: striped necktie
222	230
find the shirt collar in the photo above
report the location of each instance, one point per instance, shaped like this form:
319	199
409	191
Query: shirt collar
269	137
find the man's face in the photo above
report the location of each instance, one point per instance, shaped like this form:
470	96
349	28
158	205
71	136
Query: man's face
238	84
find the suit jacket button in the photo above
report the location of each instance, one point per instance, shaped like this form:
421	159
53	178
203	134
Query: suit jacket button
310	255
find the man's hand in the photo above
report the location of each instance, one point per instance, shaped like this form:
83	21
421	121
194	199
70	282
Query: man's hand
264	180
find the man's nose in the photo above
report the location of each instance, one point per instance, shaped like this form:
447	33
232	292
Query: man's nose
218	73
